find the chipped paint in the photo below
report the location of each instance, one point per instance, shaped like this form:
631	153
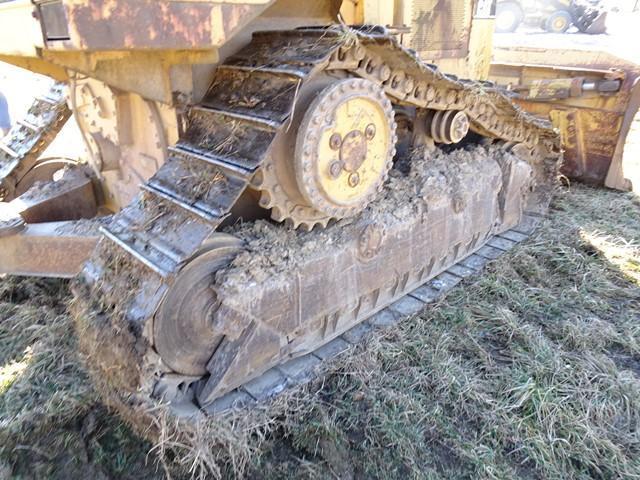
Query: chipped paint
152	24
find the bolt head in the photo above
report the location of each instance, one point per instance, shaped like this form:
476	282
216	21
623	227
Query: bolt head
335	169
354	179
370	131
335	141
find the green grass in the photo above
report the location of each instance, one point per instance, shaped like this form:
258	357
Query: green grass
51	422
530	371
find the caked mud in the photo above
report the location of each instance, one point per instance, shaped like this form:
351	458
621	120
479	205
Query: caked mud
176	305
320	283
434	176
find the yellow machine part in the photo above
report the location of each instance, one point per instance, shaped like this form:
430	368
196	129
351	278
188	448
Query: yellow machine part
169	63
362	126
592	98
304	119
455	35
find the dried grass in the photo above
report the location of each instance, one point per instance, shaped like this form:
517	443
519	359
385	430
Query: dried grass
531	371
514	375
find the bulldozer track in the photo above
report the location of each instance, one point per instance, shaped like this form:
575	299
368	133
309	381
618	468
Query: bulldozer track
304	369
29	137
227	140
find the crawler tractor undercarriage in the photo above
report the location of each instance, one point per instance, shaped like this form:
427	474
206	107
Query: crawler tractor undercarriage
189	294
20	165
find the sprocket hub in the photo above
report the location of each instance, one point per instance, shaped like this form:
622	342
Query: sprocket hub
344	147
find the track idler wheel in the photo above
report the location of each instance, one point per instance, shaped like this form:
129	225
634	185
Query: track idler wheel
183	330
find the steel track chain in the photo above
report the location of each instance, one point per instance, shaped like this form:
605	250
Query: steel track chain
30	136
304	369
227	140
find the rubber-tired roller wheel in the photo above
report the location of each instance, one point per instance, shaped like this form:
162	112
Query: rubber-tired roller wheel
558	22
183	333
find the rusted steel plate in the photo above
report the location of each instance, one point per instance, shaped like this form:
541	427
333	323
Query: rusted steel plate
57	249
592	119
70	198
441	29
589	140
153	24
624	173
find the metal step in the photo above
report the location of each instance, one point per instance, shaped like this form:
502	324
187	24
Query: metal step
221	162
285	69
238	143
163	254
49	100
261	121
197	209
30	126
8	150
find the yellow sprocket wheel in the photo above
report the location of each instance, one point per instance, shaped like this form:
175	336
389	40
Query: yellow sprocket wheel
344	147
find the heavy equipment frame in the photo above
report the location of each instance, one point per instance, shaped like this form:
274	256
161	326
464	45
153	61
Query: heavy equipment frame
202	120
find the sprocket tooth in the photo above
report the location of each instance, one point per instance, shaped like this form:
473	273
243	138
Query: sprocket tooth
362	139
257	180
277	215
266	200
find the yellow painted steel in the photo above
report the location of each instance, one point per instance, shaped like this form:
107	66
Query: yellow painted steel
443	21
352	118
593	125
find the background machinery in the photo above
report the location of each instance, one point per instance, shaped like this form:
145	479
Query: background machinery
260	177
554	16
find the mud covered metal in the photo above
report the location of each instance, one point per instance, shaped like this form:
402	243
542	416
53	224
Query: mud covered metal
324	283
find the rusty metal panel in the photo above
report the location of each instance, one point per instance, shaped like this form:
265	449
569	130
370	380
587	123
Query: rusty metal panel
624	173
54	20
147	24
589	139
589	136
70	198
441	28
47	250
588	104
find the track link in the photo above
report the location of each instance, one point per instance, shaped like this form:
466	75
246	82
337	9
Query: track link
304	369
29	137
226	143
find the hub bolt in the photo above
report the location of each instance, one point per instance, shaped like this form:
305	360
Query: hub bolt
370	131
335	142
335	169
354	180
